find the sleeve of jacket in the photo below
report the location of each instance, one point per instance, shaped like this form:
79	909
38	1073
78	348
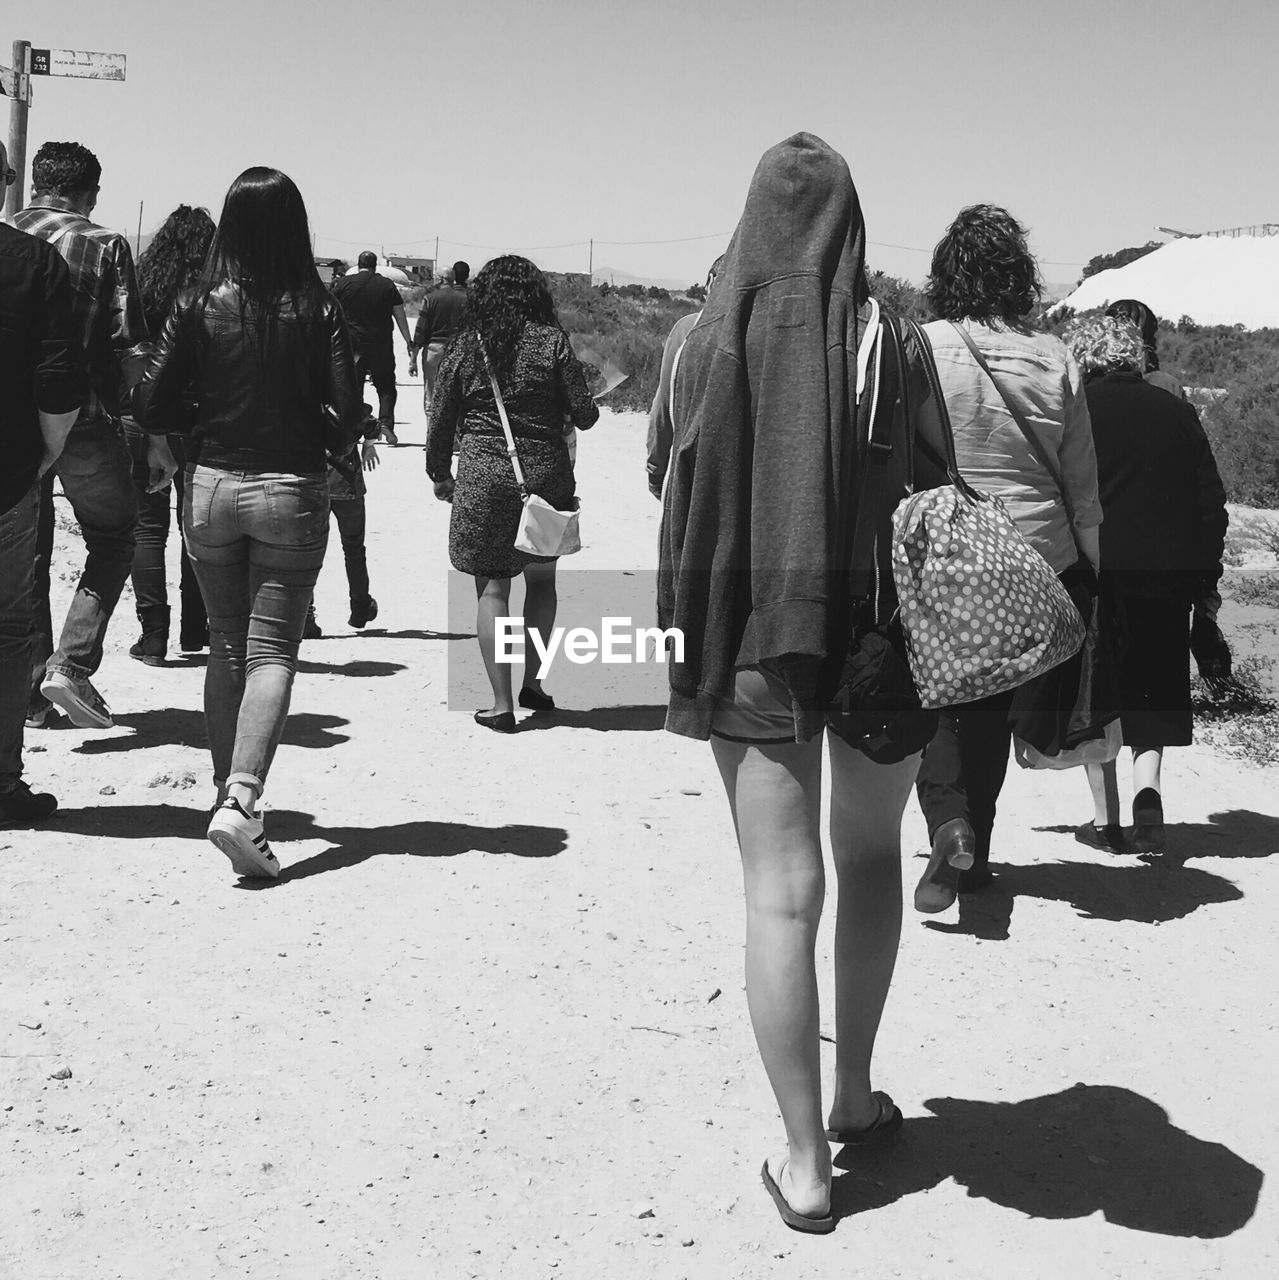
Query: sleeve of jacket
576	395
1213	518
661	427
342	392
60	379
163	399
129	335
422	330
1077	455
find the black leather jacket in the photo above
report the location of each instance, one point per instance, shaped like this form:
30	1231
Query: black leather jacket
250	413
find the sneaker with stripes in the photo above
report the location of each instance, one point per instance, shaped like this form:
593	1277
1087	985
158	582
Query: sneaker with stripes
242	837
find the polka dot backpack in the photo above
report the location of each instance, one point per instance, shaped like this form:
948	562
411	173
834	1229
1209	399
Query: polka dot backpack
983	611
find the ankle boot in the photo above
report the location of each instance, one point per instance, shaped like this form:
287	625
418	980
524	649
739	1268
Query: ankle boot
1148	834
954	850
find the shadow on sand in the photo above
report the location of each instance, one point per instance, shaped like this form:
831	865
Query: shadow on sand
173	726
1087	1149
633	719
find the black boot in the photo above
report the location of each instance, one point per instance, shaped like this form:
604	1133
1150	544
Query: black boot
954	850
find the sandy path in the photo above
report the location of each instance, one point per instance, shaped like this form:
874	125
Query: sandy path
474	1030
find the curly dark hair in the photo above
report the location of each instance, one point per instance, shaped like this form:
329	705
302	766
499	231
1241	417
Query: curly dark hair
173	261
508	293
983	269
65	169
1145	320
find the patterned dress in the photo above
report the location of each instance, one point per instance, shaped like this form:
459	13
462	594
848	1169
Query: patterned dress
544	391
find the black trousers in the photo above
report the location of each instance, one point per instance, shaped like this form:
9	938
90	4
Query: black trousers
963	769
155	517
350	516
377	364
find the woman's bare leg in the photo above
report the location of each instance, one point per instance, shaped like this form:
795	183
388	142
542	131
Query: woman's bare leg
866	805
540	603
775	796
1103	782
494	595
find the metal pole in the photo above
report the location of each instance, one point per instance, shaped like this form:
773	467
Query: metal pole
18	107
590	270
137	240
435	269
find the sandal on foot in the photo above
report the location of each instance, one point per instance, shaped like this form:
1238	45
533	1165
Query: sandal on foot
884	1125
795	1220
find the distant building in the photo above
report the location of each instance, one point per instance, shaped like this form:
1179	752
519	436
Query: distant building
419	270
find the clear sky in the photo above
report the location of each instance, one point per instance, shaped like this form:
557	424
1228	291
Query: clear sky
517	124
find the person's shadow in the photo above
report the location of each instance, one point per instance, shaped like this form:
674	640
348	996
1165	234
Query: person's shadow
425	838
635	719
173	726
1232	833
1087	1149
1141	892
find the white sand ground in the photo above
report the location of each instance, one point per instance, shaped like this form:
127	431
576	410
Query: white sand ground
491	1022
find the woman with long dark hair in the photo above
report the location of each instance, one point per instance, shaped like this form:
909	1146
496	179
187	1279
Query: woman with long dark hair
509	330
169	267
997	373
261	359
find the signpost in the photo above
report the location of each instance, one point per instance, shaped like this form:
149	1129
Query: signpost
15	84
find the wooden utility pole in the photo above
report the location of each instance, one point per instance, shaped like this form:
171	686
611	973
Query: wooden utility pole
590	269
19	105
137	240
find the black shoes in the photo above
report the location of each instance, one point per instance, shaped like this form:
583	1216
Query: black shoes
21	807
534	700
1148	821
954	850
498	721
362	614
1109	839
150	649
311	631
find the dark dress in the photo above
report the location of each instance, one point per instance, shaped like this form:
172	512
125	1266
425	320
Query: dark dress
1161	544
544	386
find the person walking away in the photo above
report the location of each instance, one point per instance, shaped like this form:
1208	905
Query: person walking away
42	381
660	427
771	501
512	338
169	266
437	325
94	468
371	303
347	491
1147	324
1161	545
984	282
263	352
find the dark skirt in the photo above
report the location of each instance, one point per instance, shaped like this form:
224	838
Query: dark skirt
1153	658
487	502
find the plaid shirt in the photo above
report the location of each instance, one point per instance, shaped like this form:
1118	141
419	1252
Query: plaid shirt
107	305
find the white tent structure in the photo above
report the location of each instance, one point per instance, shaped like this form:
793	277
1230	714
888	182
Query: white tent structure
1212	279
393	274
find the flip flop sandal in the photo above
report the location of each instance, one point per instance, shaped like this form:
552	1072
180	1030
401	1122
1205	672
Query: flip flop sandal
883	1126
794	1220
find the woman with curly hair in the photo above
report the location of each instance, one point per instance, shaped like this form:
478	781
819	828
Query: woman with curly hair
1161	544
168	268
511	332
995	370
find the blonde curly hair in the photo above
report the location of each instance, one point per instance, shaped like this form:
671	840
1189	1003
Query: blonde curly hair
1106	344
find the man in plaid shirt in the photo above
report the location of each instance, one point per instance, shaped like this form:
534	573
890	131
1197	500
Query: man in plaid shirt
95	467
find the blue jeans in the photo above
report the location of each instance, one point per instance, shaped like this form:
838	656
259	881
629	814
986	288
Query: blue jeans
17	575
256	541
96	474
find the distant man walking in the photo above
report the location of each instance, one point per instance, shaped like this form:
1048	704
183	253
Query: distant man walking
94	466
440	320
370	303
41	386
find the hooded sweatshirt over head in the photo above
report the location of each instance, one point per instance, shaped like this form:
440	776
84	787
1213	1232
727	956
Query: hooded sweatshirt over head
765	405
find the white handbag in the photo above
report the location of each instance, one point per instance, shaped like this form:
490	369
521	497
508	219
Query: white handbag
543	530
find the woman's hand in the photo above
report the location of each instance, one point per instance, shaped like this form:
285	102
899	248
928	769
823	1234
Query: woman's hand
444	489
368	455
161	464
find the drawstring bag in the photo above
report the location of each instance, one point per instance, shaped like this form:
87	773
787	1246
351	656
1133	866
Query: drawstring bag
543	530
983	611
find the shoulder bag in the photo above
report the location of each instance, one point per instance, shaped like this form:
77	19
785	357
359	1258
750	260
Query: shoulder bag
983	611
543	530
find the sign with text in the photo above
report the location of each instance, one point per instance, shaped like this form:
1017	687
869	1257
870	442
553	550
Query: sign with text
77	62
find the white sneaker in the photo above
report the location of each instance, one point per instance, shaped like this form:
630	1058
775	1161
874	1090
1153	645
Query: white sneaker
83	704
242	837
